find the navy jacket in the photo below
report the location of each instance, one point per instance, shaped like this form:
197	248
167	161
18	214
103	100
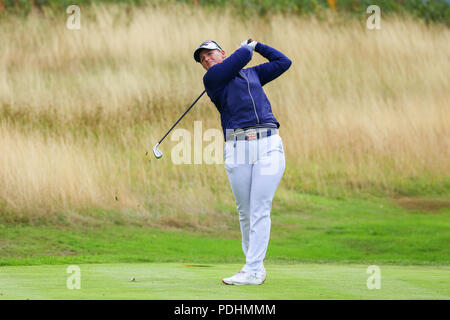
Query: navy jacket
237	93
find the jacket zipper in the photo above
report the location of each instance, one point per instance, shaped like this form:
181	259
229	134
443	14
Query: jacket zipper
254	106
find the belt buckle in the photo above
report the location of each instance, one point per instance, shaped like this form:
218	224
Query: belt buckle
250	134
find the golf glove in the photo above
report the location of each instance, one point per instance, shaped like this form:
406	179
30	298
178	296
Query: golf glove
251	44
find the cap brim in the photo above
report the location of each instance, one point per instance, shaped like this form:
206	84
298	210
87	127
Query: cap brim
210	46
197	54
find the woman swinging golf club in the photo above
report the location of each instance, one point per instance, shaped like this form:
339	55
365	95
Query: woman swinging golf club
253	153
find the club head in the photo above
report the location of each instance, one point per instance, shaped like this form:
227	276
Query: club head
158	154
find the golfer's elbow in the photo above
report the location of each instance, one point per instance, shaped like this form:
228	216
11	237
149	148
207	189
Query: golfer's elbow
287	63
283	65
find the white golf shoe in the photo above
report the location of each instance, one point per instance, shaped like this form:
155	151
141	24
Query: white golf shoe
245	278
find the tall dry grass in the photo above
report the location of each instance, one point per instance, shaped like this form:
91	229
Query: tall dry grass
360	110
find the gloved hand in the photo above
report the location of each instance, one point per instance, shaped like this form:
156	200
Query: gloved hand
252	43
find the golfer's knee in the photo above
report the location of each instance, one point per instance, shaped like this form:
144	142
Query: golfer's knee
244	211
244	215
261	208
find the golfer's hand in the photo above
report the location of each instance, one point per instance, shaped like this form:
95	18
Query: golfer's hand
251	44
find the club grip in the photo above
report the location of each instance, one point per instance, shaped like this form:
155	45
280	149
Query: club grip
249	40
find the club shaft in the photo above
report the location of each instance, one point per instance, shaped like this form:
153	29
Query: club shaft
248	41
181	117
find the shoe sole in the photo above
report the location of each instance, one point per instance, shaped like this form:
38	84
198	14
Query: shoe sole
241	284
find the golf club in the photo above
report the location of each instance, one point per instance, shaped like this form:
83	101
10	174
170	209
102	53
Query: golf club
158	154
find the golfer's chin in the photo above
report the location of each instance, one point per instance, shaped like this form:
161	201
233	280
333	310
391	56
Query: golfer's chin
210	65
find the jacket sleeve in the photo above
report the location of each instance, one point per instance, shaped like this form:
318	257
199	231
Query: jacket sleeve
222	73
277	65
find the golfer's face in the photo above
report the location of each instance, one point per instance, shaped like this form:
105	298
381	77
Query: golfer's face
208	58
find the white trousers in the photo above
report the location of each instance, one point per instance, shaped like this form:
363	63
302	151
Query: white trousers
254	169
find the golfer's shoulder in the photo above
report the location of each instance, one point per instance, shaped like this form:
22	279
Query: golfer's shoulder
212	76
208	77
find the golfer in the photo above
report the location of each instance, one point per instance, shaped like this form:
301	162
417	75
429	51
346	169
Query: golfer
253	152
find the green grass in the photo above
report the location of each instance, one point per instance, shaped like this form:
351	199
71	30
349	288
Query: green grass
320	248
305	228
189	282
